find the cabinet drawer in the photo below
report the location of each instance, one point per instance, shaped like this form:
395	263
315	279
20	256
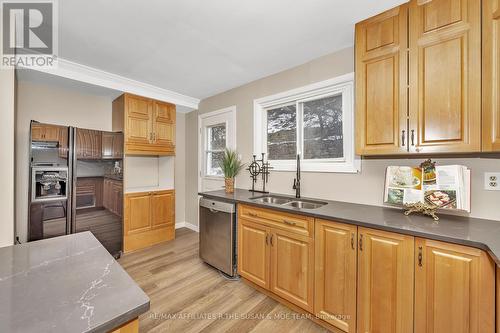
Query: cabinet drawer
298	224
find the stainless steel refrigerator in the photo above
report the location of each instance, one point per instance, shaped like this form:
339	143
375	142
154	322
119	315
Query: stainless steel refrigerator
76	184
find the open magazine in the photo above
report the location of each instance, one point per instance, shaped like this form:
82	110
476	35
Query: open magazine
445	186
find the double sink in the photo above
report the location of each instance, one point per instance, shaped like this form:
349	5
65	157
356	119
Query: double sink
285	201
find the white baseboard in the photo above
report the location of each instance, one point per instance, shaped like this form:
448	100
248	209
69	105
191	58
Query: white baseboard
188	225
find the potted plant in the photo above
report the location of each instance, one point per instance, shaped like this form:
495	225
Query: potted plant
231	165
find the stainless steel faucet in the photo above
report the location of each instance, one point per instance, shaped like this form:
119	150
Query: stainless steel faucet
296	181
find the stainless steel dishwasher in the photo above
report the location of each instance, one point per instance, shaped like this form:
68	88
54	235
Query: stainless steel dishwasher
218	235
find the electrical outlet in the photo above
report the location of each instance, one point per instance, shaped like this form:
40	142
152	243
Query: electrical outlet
492	181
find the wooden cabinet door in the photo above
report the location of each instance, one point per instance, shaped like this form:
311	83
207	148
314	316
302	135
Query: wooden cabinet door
454	289
138	124
106	194
253	252
292	268
117	199
445	76
51	133
335	274
385	282
138	208
37	132
164	125
118	145
88	144
491	75
108	139
381	84
162	209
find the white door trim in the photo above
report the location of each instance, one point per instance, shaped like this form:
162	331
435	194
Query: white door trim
232	111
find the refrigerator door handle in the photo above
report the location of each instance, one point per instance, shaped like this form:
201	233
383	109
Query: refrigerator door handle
72	167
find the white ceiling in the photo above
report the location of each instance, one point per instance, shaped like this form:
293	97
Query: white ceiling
202	47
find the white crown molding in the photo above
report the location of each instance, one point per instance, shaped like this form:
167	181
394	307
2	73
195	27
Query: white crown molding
82	73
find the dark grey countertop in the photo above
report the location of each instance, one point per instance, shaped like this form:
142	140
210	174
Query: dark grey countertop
479	233
65	284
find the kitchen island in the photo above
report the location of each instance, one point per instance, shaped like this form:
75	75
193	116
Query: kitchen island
66	284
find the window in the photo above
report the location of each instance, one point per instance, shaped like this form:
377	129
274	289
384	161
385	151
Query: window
216	144
315	122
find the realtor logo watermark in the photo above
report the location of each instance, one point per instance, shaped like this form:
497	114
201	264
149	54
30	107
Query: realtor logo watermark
29	33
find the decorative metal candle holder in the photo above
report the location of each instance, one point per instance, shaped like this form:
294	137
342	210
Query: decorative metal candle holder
259	168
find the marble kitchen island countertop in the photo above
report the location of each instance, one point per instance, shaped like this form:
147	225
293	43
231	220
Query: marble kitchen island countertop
65	284
480	233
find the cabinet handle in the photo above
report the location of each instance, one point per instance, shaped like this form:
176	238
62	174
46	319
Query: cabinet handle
412	137
252	214
420	256
267	239
271	240
403	137
154	136
289	222
352	241
361	242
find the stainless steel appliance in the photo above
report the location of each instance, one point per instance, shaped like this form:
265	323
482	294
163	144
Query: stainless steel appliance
218	235
67	192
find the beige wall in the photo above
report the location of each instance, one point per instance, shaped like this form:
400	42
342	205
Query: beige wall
366	187
180	168
191	198
7	119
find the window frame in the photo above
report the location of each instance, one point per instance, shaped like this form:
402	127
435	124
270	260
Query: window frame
207	151
343	85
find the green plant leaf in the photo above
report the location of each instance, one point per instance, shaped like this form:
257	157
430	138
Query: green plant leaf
230	164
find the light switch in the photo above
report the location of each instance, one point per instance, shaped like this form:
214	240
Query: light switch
492	181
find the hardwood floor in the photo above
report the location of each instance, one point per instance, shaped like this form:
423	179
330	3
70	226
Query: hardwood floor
189	296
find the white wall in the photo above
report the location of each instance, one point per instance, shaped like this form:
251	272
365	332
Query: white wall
7	119
364	188
180	169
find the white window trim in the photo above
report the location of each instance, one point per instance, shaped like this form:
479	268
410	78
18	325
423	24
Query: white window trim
344	84
201	149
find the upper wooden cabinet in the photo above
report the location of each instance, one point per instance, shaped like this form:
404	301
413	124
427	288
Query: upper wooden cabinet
148	125
335	274
418	79
454	289
46	132
381	83
149	219
88	144
445	76
491	75
112	145
385	282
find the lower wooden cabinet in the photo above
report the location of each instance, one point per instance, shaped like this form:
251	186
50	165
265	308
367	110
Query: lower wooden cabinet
454	289
253	252
276	257
385	282
149	219
113	196
130	327
335	274
355	279
292	268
